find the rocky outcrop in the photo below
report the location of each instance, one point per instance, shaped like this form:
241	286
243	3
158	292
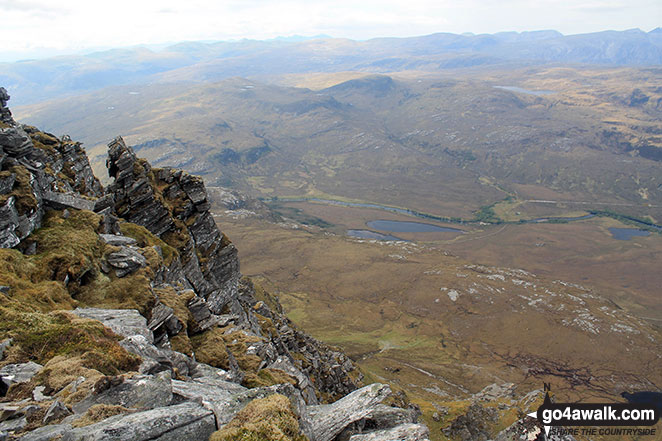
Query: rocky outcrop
5	113
197	342
172	203
37	171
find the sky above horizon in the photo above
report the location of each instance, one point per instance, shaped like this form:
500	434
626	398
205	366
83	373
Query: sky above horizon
39	28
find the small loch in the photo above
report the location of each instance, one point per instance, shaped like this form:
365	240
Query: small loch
627	233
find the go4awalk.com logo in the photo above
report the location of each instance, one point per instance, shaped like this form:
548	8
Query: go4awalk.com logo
621	419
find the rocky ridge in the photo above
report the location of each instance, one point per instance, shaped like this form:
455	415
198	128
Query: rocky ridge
125	315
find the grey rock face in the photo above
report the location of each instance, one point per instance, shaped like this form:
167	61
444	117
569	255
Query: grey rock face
381	417
187	421
56	412
404	432
61	201
141	392
5	114
9	234
136	199
15	142
13	424
46	433
19	373
124	322
7	183
157	359
328	420
117	240
126	261
304	383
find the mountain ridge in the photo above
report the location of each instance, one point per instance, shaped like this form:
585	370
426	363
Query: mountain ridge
36	80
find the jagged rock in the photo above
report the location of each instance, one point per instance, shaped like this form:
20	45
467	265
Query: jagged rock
164	320
172	423
9	224
135	199
117	240
157	359
7	183
328	420
304	384
56	412
124	322
203	317
126	260
15	142
104	202
61	201
140	391
138	200
381	417
19	373
5	114
46	433
404	432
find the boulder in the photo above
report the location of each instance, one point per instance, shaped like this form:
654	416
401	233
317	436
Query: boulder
326	421
47	433
19	373
56	412
117	239
124	322
15	142
126	260
186	421
61	201
140	391
157	359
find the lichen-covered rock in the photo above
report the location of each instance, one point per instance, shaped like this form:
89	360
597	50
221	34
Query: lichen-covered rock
328	420
140	391
171	423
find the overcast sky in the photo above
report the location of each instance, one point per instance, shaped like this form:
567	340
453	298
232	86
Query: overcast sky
42	27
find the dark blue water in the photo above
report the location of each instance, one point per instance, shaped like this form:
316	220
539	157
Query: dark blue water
627	233
367	234
408	227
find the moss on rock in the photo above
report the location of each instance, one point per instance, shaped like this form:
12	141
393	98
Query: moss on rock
267	419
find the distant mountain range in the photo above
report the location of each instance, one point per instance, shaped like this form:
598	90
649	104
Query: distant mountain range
38	80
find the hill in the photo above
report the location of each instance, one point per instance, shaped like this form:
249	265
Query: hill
36	80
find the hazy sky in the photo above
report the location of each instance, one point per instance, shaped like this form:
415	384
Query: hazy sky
29	26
